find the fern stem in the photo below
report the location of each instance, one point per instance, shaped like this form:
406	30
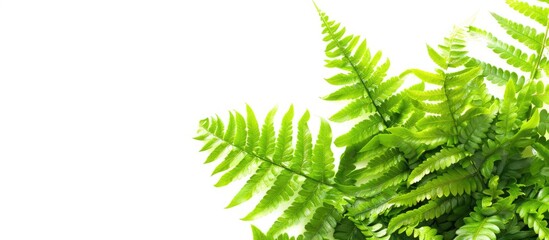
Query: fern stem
265	159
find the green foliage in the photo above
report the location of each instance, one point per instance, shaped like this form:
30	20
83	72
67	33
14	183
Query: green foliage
299	174
441	159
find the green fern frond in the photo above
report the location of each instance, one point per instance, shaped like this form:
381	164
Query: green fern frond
374	231
430	137
475	132
362	131
323	222
308	200
508	118
371	208
392	177
362	82
422	233
532	212
455	182
259	235
524	34
537	13
431	210
512	55
389	158
497	75
441	160
453	51
347	230
537	223
478	226
276	165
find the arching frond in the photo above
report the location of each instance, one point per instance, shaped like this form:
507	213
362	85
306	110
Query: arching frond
431	210
290	171
441	160
478	226
454	182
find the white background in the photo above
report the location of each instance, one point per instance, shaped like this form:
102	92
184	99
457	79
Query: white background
99	101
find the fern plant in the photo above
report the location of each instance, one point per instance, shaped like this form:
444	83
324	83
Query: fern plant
441	159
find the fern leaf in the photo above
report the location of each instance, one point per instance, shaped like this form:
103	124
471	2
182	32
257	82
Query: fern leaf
323	160
345	93
362	82
386	89
253	130
431	210
374	231
437	58
263	177
323	222
267	138
497	75
441	160
246	166
422	233
524	34
281	191
278	167
456	181
371	208
259	235
230	160
508	118
360	132
283	151
480	227
474	133
347	230
430	137
537	13
514	56
357	108
304	147
309	198
393	177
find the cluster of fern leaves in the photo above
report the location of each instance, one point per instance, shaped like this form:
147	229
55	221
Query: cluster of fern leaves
442	159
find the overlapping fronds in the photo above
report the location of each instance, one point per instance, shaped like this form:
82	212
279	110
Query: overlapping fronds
299	173
347	230
442	159
529	58
454	182
373	102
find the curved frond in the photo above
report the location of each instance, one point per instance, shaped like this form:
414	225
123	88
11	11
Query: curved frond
456	181
441	160
431	210
478	226
279	165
